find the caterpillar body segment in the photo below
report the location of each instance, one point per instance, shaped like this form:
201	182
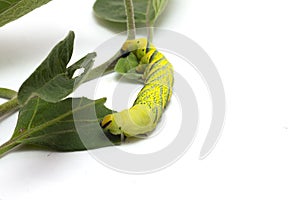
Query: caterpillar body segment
157	75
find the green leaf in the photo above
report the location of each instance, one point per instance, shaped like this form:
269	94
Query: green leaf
126	64
11	10
159	6
128	67
114	10
69	125
52	80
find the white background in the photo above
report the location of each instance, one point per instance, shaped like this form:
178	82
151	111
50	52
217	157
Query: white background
255	46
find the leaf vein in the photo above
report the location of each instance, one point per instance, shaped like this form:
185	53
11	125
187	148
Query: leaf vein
34	113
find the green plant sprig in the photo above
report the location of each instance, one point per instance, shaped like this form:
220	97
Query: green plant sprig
45	114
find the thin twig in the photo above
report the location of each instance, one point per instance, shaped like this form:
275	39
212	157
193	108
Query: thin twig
103	69
149	23
109	65
6	93
9	107
130	20
7	147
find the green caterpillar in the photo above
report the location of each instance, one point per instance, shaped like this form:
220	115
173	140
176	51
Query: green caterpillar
157	75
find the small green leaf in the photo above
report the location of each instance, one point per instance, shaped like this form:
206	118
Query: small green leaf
69	125
126	64
52	80
114	10
11	10
127	67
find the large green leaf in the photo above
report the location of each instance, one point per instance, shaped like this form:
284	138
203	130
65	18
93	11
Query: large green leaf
11	10
159	6
114	10
69	125
52	80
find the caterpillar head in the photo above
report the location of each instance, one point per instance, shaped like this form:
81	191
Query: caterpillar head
109	124
138	47
130	122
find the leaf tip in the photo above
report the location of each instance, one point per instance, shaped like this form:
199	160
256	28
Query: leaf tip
71	34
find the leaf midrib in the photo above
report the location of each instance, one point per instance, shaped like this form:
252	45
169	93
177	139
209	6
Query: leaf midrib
46	124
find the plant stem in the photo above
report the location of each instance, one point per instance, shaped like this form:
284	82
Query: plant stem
109	65
130	20
7	93
149	23
103	69
9	107
8	146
